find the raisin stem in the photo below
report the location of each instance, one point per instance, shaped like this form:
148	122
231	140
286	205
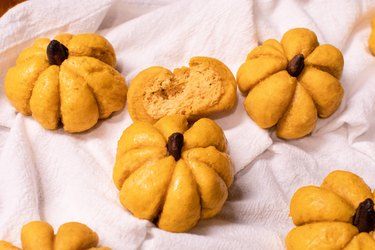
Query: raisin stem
364	217
174	145
56	52
296	65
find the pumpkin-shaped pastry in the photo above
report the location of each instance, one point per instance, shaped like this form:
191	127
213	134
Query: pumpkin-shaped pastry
290	83
71	79
205	88
171	174
337	215
39	235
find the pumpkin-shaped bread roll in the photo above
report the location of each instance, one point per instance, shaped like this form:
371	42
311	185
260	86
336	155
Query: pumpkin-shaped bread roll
172	174
70	79
206	87
337	215
289	84
39	235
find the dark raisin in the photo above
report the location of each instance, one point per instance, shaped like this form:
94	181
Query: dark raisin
296	65
174	145
364	217
56	52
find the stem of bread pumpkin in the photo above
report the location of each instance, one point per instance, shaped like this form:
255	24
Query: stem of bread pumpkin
364	217
296	65
56	52
175	144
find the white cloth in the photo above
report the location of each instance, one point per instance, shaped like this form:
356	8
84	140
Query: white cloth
60	177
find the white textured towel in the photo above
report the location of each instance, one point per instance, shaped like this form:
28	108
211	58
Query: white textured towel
60	177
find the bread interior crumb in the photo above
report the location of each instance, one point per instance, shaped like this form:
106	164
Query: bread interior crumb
185	92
